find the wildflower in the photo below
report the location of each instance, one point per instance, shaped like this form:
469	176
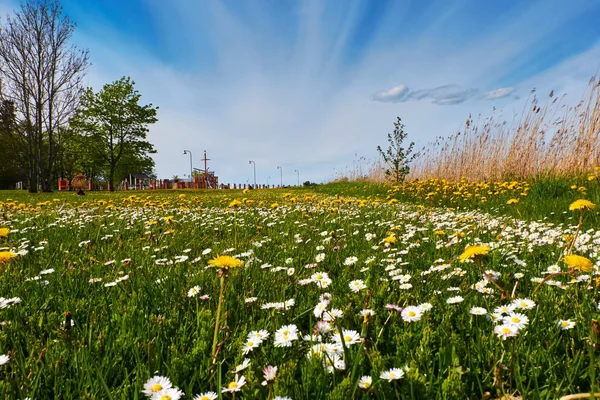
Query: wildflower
505	309
582	205
4	359
236	384
349	336
365	382
206	251
506	330
250	345
269	373
367	313
320	257
478	311
6	256
206	396
194	291
258	335
282	398
392	374
411	314
350	260
516	319
425	307
168	394
225	262
512	201
566	324
245	364
320	308
518	275
472	252
332	315
357	285
524	304
156	384
251	299
578	263
235	204
4	232
285	335
454	300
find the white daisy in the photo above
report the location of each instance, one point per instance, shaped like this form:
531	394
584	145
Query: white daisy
392	374
156	384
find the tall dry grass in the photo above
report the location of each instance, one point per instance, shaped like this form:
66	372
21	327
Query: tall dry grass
549	139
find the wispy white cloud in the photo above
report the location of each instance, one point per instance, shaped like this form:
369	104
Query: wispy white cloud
441	95
499	93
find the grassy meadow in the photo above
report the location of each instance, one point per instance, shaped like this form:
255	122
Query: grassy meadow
427	290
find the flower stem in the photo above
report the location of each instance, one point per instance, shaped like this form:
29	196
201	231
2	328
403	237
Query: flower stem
216	334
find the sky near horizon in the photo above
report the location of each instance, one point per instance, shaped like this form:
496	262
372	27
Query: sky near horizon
316	85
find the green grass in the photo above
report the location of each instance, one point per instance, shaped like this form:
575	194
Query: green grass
146	325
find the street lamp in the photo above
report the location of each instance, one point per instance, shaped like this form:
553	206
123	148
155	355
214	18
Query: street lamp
191	169
281	173
298	174
254	164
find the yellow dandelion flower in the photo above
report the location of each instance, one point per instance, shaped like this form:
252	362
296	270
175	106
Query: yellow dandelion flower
6	256
512	201
235	203
274	205
225	262
578	263
582	205
473	252
4	232
246	191
390	239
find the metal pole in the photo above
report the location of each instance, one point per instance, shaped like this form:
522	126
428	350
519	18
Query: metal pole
281	177
254	165
298	174
191	168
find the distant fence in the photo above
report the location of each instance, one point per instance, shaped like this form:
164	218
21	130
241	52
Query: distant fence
64	184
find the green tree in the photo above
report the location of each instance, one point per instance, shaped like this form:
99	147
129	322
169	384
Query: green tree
396	157
114	126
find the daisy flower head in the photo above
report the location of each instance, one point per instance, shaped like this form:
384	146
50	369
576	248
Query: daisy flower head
236	384
320	308
156	384
350	337
269	373
455	300
332	314
425	307
194	291
506	330
206	396
566	324
285	335
367	313
357	285
282	398
365	382
168	394
478	311
245	364
4	359
350	260
392	374
516	319
250	345
524	304
411	314
505	309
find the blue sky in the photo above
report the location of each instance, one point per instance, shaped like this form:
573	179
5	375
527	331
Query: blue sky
314	85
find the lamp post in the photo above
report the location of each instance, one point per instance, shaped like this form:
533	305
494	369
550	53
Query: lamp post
191	168
298	175
268	179
281	175
254	164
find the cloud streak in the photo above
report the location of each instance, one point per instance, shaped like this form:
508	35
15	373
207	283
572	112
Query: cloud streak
442	95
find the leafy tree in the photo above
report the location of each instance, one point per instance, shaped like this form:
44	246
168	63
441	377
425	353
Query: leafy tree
114	127
396	157
42	73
